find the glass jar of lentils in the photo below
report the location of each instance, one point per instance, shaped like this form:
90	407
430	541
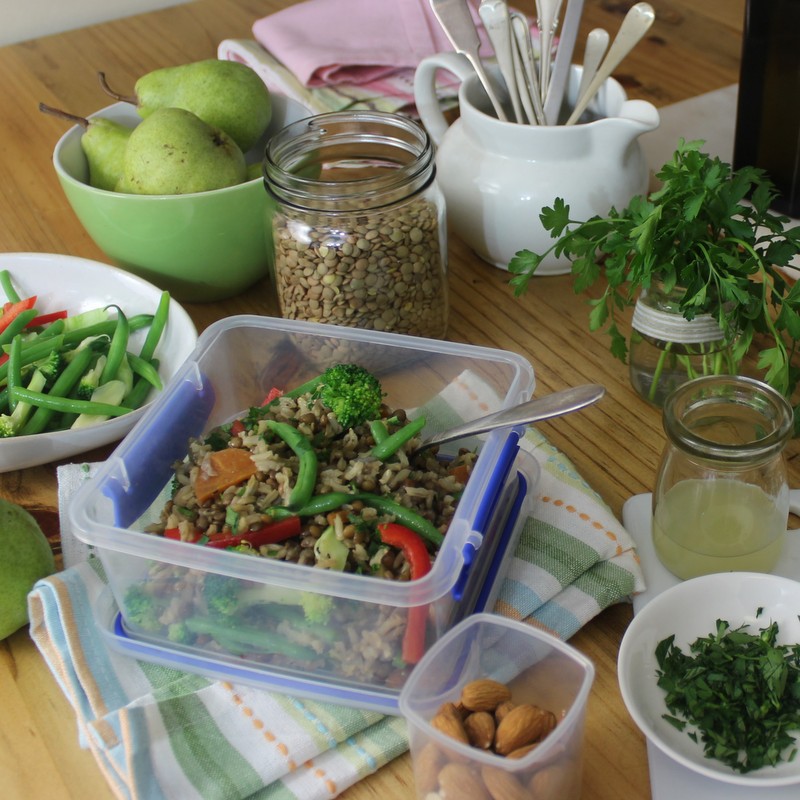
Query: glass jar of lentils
358	229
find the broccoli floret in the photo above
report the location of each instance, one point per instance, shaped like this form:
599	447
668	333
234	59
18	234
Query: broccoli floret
7	427
330	551
179	633
51	366
225	597
221	595
11	424
352	393
91	379
142	609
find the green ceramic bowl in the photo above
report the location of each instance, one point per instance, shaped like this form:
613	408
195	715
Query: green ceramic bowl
200	247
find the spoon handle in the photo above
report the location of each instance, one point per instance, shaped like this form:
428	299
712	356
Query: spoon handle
635	25
596	46
529	86
563	60
494	15
551	405
457	23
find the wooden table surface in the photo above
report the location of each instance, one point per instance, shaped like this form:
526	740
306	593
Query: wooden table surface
692	48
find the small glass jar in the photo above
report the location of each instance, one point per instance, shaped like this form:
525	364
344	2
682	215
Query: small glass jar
666	349
721	499
359	233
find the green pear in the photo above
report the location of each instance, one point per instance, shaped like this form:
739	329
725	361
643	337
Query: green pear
103	143
25	557
173	151
225	94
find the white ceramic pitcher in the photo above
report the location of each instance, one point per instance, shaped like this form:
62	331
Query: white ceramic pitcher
497	176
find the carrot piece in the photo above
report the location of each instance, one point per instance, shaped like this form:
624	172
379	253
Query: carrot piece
460	473
221	469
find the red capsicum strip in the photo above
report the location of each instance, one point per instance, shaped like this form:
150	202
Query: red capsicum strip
416	554
13	310
46	319
268	534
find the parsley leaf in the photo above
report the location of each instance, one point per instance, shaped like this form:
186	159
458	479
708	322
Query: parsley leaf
709	230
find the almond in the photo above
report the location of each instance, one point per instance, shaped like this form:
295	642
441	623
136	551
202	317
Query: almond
453	708
459	782
502	710
521	752
448	721
480	728
503	785
522	726
427	763
484	694
554	780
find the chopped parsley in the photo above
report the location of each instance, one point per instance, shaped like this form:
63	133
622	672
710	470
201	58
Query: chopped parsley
737	693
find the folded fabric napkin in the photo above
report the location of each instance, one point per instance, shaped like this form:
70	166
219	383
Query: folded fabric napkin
328	42
332	55
160	733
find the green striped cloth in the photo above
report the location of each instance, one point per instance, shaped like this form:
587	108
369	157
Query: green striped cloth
160	733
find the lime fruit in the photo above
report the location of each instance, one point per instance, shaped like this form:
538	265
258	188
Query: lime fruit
25	557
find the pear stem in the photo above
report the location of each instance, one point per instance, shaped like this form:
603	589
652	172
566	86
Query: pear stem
109	91
57	112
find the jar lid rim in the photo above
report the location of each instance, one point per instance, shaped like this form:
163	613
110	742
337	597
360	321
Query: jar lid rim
692	394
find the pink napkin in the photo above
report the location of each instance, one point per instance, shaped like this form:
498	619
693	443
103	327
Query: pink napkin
331	42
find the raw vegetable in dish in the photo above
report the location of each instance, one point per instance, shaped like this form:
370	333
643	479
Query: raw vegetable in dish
287	481
60	371
737	693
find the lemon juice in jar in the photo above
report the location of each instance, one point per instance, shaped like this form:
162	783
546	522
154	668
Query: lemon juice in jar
719	525
721	500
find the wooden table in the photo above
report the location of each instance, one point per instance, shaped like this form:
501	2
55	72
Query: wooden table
692	48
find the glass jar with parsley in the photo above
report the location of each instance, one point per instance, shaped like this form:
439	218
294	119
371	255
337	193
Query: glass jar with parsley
721	499
666	349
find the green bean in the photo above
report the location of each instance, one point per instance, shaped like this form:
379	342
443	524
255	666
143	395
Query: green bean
17	325
389	446
378	431
63	385
68	405
323	503
53	329
145	369
14	370
8	287
117	348
141	388
307	457
105	328
34	351
156	328
404	516
241	638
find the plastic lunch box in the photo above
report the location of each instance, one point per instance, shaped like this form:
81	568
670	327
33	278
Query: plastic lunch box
235	363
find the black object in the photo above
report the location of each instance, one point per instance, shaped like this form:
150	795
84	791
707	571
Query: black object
768	113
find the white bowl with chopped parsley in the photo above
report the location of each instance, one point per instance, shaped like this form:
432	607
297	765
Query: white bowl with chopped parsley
709	671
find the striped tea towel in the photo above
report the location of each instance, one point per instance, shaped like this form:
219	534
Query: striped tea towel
160	733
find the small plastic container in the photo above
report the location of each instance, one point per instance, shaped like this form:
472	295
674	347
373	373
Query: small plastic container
540	670
236	362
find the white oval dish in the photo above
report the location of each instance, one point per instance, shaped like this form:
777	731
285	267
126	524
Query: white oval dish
690	610
79	284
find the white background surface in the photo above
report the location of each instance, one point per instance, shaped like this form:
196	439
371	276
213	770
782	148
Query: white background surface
27	19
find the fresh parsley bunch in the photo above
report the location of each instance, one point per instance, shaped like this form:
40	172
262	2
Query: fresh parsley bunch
709	230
